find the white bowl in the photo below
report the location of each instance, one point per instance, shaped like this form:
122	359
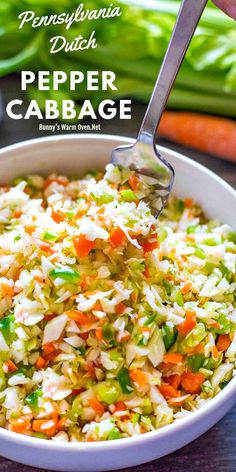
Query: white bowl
74	154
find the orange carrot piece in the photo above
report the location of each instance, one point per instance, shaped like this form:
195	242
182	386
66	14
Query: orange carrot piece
19	425
150	246
223	342
173	358
99	334
133	181
117	237
61	180
11	366
120	308
39	426
139	377
174	380
188	324
58	216
7	290
168	391
120	406
29	229
186	288
79	317
97	406
192	382
201	132
40	363
48	348
83	246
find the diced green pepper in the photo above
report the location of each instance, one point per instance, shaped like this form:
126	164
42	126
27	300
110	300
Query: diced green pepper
32	399
124	380
68	274
114	434
169	336
195	362
7	327
46	236
128	195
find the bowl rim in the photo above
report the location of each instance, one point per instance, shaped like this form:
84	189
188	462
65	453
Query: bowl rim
162	433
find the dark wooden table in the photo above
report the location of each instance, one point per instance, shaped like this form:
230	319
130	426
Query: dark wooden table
215	451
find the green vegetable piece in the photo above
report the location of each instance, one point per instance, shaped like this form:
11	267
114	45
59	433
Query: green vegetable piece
49	236
167	287
7	327
179	298
32	399
128	195
124	380
232	237
191	229
180	206
68	274
195	362
114	434
169	336
108	391
108	332
200	253
105	198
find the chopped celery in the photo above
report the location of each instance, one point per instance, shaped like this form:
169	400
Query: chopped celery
108	391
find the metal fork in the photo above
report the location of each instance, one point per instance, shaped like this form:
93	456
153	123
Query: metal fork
156	173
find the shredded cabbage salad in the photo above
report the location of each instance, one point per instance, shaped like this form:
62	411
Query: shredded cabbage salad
112	324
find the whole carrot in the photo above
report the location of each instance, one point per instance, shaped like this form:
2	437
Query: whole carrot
206	133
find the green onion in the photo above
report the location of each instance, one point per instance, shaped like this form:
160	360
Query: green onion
33	398
68	274
124	380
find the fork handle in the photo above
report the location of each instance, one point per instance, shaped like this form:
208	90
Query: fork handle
186	23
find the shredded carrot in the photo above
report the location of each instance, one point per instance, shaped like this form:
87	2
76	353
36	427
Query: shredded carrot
215	352
168	391
29	229
150	246
133	181
48	348
58	216
117	237
188	324
7	290
186	288
192	382
41	362
99	334
40	426
173	380
188	202
19	425
97	406
61	424
17	214
44	246
80	317
120	406
61	180
201	132
223	342
139	377
120	308
173	358
11	366
83	246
